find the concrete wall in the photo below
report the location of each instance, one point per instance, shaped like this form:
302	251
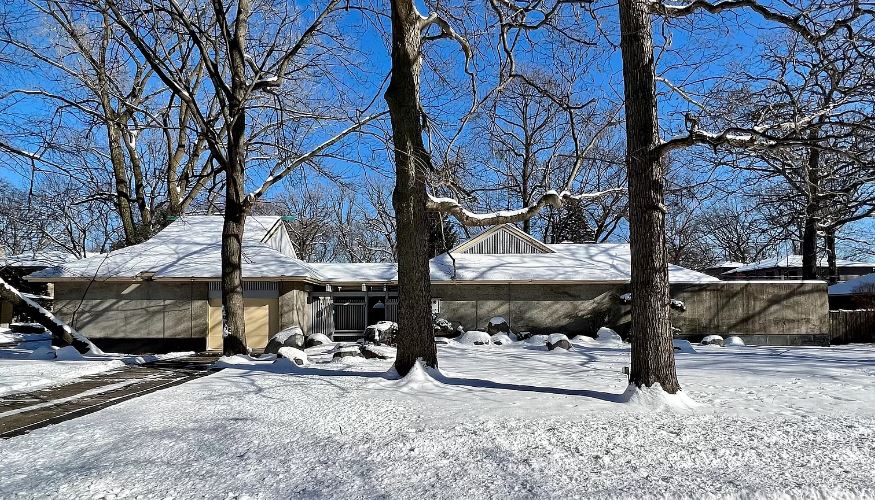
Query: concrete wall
527	307
157	313
768	313
765	313
294	310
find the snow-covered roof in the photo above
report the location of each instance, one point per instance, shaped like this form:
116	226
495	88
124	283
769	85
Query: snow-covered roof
726	264
190	247
597	262
37	259
853	286
361	272
794	261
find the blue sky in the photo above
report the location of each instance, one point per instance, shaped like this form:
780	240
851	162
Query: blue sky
708	46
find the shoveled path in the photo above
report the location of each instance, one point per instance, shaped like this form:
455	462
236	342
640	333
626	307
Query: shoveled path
23	412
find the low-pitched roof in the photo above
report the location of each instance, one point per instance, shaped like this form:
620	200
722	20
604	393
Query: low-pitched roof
864	284
190	248
360	272
794	261
44	258
595	262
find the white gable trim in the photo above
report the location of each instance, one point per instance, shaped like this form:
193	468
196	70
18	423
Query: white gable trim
510	231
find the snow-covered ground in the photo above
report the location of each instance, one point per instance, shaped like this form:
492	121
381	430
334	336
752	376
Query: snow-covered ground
500	422
27	367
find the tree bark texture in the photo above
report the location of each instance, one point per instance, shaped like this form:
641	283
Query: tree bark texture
122	186
809	233
416	333
829	240
652	351
234	340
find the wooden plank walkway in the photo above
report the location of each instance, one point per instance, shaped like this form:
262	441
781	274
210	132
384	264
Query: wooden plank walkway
24	412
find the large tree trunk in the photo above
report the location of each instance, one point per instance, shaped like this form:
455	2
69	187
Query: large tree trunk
234	341
62	335
416	339
652	351
809	234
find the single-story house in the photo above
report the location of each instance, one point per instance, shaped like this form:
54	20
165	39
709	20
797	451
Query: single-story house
858	293
790	268
165	293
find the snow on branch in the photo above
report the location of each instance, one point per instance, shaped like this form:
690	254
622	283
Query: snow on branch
551	198
758	137
794	22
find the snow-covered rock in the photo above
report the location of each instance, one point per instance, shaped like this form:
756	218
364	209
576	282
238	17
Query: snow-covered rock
609	337
713	340
558	341
294	354
683	346
292	336
383	332
350	351
317	339
501	339
497	325
677	305
370	351
474	337
537	340
733	341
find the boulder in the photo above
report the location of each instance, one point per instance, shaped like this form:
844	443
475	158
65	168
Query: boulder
502	339
537	340
317	339
713	340
475	337
733	341
608	336
351	351
558	340
292	336
497	325
383	332
377	352
298	356
684	346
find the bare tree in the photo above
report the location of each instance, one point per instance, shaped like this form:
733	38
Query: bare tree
832	82
264	76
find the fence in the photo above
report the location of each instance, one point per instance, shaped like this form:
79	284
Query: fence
855	326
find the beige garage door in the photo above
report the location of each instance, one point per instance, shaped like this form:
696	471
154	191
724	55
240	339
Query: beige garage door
262	320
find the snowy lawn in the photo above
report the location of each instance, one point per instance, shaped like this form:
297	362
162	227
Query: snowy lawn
502	422
28	366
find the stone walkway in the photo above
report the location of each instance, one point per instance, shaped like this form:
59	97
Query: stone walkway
21	413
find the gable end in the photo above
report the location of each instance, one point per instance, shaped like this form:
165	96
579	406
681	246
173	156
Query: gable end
503	239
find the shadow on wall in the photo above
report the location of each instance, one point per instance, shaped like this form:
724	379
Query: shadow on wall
781	313
785	313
